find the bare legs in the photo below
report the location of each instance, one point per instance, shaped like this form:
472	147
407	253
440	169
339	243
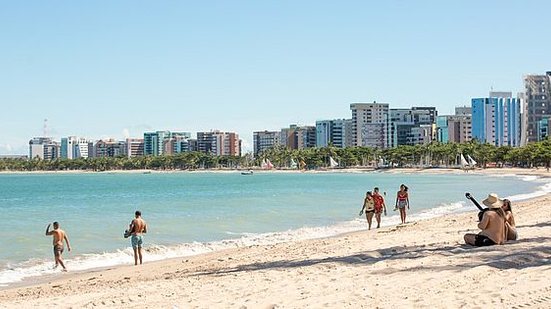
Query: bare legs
137	254
369	216
59	261
378	217
470	239
403	215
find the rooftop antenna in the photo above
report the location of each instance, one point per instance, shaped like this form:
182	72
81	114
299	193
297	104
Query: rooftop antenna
45	128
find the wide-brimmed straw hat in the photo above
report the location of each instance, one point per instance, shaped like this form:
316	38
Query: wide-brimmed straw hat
493	201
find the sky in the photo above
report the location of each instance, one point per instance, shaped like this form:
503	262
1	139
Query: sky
114	69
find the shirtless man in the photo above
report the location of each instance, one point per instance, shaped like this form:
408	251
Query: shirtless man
58	236
138	227
492	225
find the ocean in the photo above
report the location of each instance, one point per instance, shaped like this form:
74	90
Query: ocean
190	213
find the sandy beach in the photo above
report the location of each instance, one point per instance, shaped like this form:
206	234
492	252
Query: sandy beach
417	265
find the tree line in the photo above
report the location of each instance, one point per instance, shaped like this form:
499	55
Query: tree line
434	154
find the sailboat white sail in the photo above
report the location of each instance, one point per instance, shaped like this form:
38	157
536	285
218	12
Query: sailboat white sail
464	163
293	164
264	164
333	163
472	162
269	164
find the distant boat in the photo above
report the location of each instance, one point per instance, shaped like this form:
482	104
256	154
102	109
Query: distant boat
333	163
464	163
294	164
472	162
266	164
249	172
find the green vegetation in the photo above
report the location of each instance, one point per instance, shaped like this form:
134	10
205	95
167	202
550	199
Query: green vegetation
434	154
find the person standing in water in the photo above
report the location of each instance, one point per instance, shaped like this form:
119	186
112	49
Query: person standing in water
138	227
402	200
59	236
369	207
380	205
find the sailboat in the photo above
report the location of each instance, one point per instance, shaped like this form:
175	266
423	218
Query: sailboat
472	162
464	163
333	163
294	164
266	164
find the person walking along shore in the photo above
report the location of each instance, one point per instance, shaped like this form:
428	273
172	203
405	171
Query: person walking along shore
59	236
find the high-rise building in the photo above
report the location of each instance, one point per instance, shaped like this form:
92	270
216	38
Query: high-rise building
110	148
44	148
412	126
537	97
496	119
134	147
73	147
68	147
219	143
264	140
298	137
370	124
335	132
455	128
155	143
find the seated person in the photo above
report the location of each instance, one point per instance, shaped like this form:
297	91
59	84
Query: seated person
509	220
493	229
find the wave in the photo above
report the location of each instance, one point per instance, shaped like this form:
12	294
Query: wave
35	267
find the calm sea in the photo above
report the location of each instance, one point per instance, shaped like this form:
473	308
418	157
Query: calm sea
191	213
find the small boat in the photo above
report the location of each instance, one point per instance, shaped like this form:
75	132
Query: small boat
472	162
249	172
333	163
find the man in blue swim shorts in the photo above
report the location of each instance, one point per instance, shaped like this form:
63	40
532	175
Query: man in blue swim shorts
138	227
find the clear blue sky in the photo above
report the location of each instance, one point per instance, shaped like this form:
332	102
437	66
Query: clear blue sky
101	69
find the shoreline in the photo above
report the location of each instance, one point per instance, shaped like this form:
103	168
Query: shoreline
207	267
409	170
337	263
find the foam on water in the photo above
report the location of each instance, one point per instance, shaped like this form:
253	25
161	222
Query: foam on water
32	268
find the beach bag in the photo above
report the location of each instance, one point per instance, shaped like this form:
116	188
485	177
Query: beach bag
126	233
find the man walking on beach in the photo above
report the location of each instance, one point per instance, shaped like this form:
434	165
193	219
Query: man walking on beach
58	236
379	205
138	227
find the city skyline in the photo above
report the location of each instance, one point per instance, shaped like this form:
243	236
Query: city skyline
116	70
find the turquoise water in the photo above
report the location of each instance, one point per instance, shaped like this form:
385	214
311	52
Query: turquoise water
189	213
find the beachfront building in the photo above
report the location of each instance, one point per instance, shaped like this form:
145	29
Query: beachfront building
496	119
219	143
298	137
370	124
537	97
264	140
337	132
155	143
455	128
73	147
44	148
413	126
134	147
68	147
176	142
110	148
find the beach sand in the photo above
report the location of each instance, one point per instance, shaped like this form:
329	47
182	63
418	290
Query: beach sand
417	265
